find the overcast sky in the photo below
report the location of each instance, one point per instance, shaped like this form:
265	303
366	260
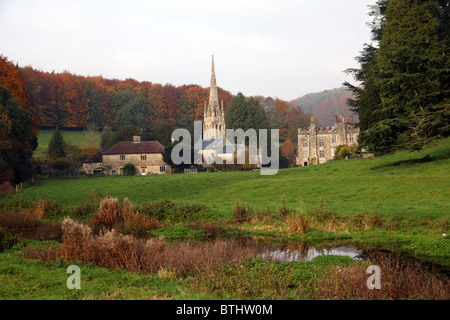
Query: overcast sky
276	48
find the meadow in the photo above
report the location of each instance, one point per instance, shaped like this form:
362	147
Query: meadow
406	184
172	236
75	137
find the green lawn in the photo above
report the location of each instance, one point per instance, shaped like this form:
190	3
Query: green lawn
406	184
77	138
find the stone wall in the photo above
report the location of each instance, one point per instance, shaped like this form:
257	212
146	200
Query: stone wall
145	164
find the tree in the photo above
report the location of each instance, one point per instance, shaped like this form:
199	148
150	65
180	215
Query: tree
106	139
56	147
246	114
130	109
404	101
161	133
281	118
237	116
125	134
287	150
17	139
167	155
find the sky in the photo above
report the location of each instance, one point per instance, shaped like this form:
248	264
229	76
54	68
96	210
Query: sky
276	48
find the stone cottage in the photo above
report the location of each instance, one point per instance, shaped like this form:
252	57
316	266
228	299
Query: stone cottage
316	145
145	155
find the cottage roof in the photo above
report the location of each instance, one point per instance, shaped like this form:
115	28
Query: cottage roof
130	147
96	158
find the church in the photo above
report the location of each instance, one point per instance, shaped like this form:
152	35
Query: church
214	146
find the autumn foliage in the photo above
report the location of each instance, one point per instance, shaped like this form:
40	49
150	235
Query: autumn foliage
72	101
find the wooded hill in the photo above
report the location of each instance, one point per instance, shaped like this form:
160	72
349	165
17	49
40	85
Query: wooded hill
326	104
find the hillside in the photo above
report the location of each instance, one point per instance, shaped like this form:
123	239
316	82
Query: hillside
325	105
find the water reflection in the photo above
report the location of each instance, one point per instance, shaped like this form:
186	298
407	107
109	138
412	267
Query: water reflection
286	254
300	251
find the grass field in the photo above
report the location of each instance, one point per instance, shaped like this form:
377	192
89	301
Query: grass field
398	203
77	138
405	184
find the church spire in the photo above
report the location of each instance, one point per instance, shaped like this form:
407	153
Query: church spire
214	118
213	73
213	95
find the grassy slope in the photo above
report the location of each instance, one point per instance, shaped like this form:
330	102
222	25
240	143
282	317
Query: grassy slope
77	138
403	184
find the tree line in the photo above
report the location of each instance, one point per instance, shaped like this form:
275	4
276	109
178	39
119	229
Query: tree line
120	108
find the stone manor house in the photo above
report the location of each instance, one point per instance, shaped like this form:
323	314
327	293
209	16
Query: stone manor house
316	145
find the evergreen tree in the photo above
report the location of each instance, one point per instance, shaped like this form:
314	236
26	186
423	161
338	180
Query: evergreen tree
246	114
404	99
106	138
125	134
17	140
56	147
237	116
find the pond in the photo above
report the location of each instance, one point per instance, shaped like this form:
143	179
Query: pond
285	254
299	251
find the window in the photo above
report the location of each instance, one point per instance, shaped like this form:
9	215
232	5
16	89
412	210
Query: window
333	139
143	157
143	170
305	144
350	138
113	172
122	157
320	143
305	155
162	169
321	154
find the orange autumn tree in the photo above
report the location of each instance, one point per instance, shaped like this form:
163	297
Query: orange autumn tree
11	78
281	118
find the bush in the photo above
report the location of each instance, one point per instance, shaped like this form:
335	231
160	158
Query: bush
6	240
134	222
170	211
108	213
129	169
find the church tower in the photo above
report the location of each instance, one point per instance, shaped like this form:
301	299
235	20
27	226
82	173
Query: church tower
213	117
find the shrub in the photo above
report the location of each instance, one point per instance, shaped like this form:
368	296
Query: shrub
129	169
180	212
108	213
5	188
47	208
6	240
134	222
75	240
240	214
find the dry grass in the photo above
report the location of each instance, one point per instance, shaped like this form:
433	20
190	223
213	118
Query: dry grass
20	219
136	223
108	213
111	249
399	280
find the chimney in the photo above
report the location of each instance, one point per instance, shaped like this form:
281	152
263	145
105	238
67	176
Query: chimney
136	139
336	121
350	120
